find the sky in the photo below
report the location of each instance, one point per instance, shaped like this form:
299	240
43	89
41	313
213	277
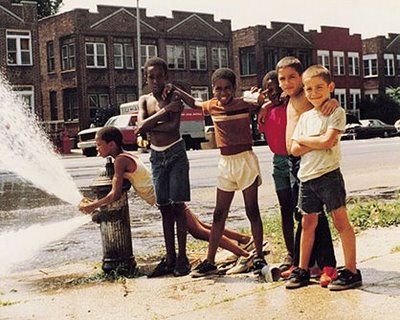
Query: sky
370	18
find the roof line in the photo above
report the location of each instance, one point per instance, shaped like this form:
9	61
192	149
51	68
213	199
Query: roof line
12	14
285	27
194	15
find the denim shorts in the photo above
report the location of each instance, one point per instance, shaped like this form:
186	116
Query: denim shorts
327	190
170	170
280	172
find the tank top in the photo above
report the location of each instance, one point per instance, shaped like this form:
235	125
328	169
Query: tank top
140	179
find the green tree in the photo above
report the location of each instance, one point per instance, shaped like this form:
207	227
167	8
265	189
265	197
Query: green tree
384	108
46	8
394	93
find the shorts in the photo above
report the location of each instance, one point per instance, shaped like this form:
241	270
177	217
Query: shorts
280	172
170	171
238	171
327	190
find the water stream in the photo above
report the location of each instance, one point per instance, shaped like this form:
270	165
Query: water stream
26	151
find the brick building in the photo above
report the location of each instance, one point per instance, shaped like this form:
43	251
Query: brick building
256	50
19	52
90	59
341	53
381	64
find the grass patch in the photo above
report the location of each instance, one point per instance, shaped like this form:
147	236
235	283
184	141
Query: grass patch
6	303
395	249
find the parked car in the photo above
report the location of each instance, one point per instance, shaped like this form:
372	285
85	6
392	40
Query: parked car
372	128
397	125
126	123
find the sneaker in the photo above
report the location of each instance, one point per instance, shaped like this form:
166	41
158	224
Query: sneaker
161	269
346	280
286	264
182	267
243	264
204	269
258	264
328	275
286	274
298	278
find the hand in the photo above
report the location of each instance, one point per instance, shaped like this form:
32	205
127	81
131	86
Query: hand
329	106
262	114
168	88
86	205
174	106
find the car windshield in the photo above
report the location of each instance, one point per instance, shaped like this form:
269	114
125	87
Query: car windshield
120	121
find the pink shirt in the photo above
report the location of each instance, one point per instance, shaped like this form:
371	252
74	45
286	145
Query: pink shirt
274	129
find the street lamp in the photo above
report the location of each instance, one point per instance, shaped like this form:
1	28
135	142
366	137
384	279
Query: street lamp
139	67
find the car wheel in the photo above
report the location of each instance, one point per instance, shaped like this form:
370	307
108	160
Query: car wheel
385	134
89	152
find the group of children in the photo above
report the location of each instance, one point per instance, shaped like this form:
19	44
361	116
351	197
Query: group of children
302	127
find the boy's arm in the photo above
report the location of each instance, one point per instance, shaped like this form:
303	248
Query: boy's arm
326	141
169	125
329	107
120	166
298	149
187	98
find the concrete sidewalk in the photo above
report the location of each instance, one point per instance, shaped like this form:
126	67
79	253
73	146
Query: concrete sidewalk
50	294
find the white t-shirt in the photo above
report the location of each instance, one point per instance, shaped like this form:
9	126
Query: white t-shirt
313	123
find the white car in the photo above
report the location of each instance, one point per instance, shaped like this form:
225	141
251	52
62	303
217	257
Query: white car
397	125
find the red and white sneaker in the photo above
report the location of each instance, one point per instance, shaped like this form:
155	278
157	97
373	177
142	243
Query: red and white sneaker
328	275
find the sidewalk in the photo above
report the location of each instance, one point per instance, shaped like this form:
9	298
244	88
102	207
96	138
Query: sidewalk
49	294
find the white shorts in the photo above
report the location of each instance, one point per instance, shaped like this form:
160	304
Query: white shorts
238	171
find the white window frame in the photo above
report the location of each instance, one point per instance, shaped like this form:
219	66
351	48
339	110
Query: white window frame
389	64
68	62
118	56
128	57
353	63
95	54
369	58
338	63
147	55
23	92
323	58
398	65
173	60
18	36
340	95
246	61
371	94
197	58
217	58
353	103
200	92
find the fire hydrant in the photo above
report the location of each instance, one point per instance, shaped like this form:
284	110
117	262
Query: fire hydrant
115	226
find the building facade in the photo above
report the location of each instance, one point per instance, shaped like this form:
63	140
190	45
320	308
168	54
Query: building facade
19	54
381	64
90	59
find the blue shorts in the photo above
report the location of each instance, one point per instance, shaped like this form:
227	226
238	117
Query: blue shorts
327	190
170	170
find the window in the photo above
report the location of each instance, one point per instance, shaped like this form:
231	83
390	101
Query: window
53	105
354	64
371	94
198	57
199	93
398	65
219	57
340	95
247	61
68	54
147	51
50	57
323	58
370	65
123	54
271	58
96	55
70	104
118	56
125	97
97	101
176	57
19	48
304	57
338	63
128	56
355	97
26	94
389	64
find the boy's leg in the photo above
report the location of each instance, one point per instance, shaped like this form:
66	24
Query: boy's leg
168	223
181	227
285	203
223	203
309	223
250	196
347	236
323	246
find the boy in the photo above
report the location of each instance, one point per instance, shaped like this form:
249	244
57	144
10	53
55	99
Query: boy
289	71
129	166
316	139
160	117
238	165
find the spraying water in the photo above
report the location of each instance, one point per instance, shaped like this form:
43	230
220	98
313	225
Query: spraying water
26	151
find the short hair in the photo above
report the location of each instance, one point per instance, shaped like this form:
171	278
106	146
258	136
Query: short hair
224	73
318	71
109	134
291	62
270	76
156	62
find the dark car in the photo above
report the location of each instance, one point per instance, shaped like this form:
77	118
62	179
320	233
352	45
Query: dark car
371	128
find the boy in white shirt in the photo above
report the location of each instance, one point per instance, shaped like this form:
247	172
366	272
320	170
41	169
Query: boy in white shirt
316	140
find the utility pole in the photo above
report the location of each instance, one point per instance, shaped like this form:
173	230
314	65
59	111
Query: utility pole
139	55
